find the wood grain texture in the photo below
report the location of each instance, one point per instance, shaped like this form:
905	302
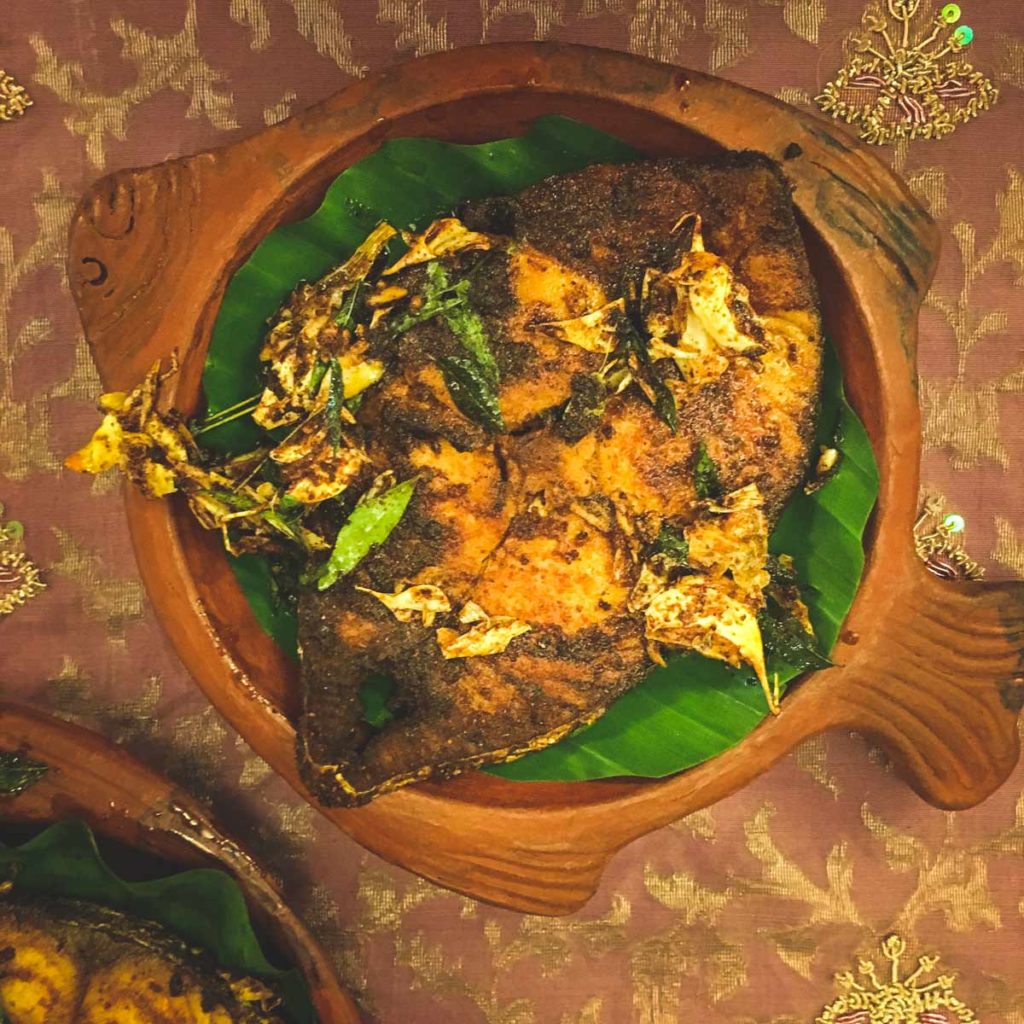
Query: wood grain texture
151	252
92	779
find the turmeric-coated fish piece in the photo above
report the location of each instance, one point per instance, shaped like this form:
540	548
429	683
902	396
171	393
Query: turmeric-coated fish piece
67	962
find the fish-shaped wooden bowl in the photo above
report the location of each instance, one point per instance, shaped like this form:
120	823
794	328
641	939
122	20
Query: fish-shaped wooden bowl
931	669
91	779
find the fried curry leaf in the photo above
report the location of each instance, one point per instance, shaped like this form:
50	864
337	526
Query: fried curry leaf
472	380
631	341
346	315
634	352
335	403
465	323
706	480
427	311
472	391
665	403
316	377
205	906
786	641
369	525
18	773
672	546
583	411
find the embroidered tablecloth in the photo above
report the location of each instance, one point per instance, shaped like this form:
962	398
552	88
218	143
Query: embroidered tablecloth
743	912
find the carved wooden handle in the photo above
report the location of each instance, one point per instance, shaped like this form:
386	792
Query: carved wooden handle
942	684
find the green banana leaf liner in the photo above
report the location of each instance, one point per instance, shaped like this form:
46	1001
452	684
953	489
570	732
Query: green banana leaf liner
680	715
204	906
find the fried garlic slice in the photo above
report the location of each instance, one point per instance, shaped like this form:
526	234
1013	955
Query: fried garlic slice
698	314
596	331
712	617
423	599
305	328
444	237
491	634
148	448
733	541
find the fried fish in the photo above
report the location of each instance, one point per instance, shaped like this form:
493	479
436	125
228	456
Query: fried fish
67	962
656	345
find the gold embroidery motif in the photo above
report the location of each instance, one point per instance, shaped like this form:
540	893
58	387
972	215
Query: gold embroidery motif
161	62
252	14
1009	60
321	22
416	31
918	998
964	414
898	86
19	578
727	22
812	757
1009	551
659	27
281	109
14	98
939	542
803	18
546	14
112	600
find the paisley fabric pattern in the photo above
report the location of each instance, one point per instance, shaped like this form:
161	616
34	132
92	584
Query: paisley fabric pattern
740	913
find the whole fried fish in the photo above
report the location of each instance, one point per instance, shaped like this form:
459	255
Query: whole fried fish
68	962
518	597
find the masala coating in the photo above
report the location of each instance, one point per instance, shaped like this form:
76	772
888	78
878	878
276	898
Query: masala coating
542	523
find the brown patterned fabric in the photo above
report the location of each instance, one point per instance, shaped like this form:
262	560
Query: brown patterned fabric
740	913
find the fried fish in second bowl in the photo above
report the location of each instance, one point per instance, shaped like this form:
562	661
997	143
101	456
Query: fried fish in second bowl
64	961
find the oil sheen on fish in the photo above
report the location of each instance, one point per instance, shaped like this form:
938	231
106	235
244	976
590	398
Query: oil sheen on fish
517	598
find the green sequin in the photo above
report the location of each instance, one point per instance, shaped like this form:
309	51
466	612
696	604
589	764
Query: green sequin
954	523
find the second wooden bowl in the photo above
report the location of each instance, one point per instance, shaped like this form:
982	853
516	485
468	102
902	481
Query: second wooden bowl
931	669
121	800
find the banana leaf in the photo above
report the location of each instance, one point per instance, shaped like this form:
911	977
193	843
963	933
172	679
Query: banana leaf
680	715
204	906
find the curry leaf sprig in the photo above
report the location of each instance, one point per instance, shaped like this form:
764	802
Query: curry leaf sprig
671	545
706	479
369	525
472	379
335	403
634	352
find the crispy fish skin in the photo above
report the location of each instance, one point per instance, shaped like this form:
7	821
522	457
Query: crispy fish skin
558	550
67	962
